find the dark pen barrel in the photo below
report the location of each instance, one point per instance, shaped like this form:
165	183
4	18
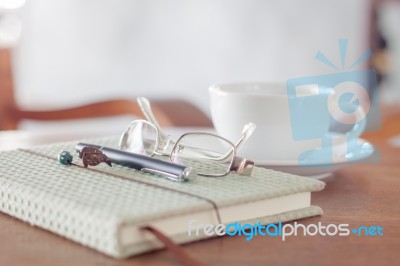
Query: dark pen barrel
141	162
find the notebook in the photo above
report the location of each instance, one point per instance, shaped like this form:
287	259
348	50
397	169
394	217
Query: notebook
103	208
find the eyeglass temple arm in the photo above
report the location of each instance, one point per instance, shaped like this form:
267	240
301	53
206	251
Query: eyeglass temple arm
145	106
241	165
248	130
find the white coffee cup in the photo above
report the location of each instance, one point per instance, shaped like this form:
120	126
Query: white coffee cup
267	105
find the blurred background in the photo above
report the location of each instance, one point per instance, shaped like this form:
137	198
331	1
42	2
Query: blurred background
63	54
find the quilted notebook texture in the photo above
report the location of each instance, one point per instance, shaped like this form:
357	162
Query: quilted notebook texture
90	207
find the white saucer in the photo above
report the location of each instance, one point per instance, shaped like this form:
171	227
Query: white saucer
340	158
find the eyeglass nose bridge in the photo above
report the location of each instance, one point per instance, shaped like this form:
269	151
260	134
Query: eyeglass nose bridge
163	141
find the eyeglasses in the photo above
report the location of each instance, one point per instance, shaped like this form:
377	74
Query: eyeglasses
208	154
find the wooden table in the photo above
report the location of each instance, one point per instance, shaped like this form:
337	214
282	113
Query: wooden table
361	194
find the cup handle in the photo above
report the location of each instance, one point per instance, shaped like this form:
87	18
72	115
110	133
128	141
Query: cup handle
359	127
357	118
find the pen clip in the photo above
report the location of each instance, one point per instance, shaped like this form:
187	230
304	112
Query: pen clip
164	174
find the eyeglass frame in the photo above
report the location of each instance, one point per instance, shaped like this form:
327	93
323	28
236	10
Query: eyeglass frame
238	164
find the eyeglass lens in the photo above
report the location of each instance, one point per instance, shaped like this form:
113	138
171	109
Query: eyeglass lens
208	154
141	138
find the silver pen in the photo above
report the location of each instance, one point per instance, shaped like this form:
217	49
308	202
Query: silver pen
172	171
